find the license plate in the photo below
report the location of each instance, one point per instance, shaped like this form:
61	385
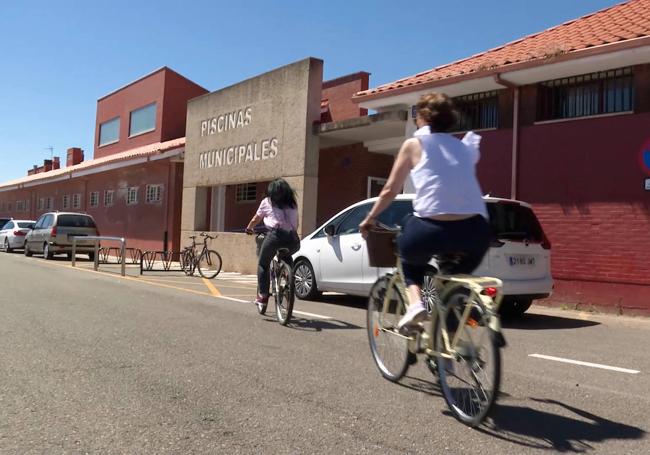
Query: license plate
521	260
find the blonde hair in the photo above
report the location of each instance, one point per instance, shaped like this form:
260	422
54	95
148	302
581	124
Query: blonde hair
438	110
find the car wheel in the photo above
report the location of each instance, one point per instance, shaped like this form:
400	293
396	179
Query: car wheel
305	280
47	254
27	251
514	307
8	249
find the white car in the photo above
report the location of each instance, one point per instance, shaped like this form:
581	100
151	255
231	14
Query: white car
12	234
334	257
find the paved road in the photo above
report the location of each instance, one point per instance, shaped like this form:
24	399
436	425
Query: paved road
92	363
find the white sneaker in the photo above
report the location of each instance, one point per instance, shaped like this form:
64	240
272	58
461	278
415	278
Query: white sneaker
415	314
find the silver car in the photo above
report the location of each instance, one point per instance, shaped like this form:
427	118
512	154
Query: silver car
53	234
12	234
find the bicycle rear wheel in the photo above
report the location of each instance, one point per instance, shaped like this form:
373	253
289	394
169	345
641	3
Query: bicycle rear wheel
285	295
389	349
469	382
209	264
186	261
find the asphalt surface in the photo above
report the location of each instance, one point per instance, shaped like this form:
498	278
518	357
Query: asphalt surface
165	364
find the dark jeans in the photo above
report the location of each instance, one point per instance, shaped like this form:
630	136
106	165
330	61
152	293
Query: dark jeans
274	240
422	238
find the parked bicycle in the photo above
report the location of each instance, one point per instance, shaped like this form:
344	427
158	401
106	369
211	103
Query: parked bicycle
282	285
461	341
207	261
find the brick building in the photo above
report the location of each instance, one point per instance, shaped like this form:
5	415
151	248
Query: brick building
564	116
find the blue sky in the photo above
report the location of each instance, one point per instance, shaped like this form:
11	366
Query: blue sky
59	57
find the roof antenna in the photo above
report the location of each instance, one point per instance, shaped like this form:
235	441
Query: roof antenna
51	149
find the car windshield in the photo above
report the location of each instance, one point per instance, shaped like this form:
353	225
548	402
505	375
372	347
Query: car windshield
79	221
512	221
25	225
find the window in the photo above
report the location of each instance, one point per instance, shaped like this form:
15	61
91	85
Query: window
477	111
109	132
605	92
49	203
76	201
94	199
80	221
48	221
395	214
26	205
375	184
9	225
108	198
41	203
153	194
143	120
66	201
10	206
246	192
350	225
20	206
25	225
132	195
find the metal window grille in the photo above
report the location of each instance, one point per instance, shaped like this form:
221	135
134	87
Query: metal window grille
49	203
599	93
246	192
76	201
477	111
108	198
153	194
94	199
20	206
132	195
66	201
41	203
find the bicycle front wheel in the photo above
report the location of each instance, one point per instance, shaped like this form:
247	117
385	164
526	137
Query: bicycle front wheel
209	264
388	347
285	294
470	380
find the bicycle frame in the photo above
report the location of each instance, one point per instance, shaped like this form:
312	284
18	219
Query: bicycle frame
476	285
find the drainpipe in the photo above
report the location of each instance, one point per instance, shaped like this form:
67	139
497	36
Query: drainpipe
515	133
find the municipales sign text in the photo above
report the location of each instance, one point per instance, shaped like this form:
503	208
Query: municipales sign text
234	154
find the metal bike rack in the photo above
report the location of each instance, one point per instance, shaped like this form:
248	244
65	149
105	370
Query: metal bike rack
96	240
148	260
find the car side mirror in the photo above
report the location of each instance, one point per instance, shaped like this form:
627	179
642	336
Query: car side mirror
330	230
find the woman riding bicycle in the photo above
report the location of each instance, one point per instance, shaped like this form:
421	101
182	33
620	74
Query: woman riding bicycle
279	212
450	214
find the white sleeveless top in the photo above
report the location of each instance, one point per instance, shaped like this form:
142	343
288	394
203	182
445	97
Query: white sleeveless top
445	178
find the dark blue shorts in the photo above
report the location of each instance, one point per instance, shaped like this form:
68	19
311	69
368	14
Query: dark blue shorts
422	238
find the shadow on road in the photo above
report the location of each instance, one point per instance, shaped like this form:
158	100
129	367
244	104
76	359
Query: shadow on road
543	429
420	385
532	321
316	325
343	300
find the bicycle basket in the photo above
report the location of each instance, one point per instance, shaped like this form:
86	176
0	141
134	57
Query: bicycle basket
381	248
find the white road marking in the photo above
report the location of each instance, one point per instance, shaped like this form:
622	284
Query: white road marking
586	364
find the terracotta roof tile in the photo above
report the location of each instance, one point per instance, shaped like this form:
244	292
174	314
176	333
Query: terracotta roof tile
622	22
138	152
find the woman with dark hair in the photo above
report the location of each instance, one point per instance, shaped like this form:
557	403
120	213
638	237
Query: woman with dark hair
450	214
279	212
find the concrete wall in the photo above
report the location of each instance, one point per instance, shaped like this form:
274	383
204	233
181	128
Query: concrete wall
272	138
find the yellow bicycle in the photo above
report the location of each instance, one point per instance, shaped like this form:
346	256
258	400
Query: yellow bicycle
460	341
